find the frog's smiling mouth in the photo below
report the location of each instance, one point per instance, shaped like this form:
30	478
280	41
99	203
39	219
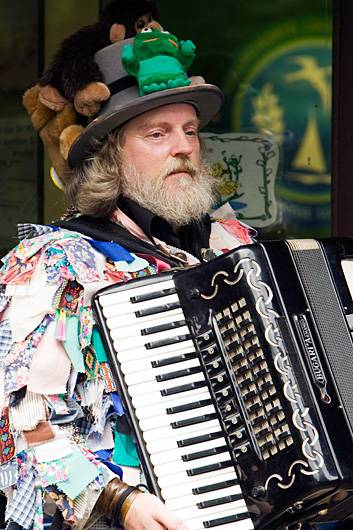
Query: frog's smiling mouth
151	40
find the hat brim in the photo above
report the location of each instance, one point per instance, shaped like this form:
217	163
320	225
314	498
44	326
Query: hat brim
206	98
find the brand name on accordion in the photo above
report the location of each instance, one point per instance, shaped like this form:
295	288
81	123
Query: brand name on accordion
310	349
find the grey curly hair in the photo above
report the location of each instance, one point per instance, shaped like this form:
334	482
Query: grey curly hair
96	185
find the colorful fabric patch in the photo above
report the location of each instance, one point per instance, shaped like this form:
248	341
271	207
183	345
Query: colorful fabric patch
7	444
72	344
5	338
53	472
21	508
58	403
3	298
70	297
18	360
80	473
91	363
98	346
112	250
86	326
28	413
42	433
108	378
136	264
8	474
17	271
65	504
125	453
38	523
49	358
28	230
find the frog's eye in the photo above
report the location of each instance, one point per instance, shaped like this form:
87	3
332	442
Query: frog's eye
165	31
146	30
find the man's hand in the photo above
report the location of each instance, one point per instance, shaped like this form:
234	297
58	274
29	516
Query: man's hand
147	512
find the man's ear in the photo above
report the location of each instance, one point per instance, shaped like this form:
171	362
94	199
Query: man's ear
117	33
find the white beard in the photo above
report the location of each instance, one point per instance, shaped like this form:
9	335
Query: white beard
187	201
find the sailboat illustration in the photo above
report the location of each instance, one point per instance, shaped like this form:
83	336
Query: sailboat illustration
309	163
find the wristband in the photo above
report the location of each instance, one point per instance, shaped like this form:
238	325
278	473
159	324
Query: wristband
127	504
119	504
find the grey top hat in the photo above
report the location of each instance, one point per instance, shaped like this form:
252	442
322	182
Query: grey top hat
126	103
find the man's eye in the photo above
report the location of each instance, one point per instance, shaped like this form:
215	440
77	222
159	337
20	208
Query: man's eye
191	132
155	135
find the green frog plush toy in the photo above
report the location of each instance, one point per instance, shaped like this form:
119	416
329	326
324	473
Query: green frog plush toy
158	60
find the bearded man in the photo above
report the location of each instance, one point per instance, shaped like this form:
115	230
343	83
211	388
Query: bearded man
139	194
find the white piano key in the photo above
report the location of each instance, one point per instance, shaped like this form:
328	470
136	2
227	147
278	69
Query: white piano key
160	407
154	397
214	512
142	353
165	420
183	478
133	365
130	321
185	432
179	466
192	500
172	436
169	455
125	308
177	490
150	374
144	388
130	343
123	295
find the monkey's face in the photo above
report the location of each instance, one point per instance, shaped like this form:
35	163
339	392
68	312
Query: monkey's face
145	21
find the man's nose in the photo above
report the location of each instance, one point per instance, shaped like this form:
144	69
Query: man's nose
181	144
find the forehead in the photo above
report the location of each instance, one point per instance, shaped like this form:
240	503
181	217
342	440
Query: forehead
175	113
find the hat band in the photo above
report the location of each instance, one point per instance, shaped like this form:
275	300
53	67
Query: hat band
121	84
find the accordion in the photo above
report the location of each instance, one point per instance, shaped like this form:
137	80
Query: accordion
238	378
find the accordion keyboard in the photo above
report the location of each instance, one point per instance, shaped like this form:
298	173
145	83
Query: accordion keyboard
171	406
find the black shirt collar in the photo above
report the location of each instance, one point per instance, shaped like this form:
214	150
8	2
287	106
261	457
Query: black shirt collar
191	237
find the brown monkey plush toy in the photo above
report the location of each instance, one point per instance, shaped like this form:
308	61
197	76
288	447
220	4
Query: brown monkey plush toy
72	87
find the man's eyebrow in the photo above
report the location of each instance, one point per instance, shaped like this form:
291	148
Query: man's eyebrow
150	125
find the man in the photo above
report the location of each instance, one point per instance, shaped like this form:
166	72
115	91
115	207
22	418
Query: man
140	193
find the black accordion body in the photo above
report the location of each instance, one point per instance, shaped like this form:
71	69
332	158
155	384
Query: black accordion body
238	378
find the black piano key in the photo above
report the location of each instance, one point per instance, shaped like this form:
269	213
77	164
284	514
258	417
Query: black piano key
178	373
163	327
203	454
214	487
189	406
157	309
225	520
173	360
209	468
193	421
167	341
200	439
151	296
219	501
182	388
